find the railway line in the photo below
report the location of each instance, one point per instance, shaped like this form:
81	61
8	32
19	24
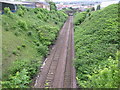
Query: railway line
57	70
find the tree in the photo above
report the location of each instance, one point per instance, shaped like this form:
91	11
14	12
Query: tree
53	6
92	9
98	7
71	8
88	10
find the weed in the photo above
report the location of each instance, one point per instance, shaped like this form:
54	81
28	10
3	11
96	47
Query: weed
18	47
14	52
23	45
29	33
17	33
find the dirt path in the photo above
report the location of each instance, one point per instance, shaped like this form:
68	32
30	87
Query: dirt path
58	70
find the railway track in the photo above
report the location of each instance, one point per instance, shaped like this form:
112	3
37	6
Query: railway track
57	70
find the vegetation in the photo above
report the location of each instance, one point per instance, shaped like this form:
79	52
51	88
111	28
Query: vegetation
52	6
92	9
97	40
79	18
27	35
98	7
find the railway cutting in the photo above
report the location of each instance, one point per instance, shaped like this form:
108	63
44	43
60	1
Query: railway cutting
58	70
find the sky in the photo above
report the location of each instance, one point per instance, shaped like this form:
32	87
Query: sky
82	0
70	0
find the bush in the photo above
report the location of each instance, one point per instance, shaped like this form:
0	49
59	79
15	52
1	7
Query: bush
29	33
17	33
79	18
97	39
30	65
36	22
47	34
7	10
18	47
14	52
20	12
19	80
42	50
40	15
22	8
107	77
37	43
22	24
6	29
23	45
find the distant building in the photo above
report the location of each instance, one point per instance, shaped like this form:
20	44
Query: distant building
42	5
13	5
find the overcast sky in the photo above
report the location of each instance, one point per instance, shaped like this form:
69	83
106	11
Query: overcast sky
66	0
84	0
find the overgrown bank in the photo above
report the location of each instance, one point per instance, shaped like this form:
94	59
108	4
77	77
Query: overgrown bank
97	44
27	35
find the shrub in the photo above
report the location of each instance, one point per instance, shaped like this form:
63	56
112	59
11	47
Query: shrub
14	52
107	77
29	33
29	23
17	33
79	18
37	43
42	50
96	40
6	29
36	10
30	65
40	15
19	80
7	10
22	8
56	22
23	45
18	47
23	25
20	12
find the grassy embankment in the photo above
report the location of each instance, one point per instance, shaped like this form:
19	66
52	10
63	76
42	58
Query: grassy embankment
27	36
97	45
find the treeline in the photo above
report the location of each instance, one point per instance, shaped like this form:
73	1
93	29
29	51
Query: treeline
27	37
97	48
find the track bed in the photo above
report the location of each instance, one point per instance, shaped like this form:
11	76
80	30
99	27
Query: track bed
58	70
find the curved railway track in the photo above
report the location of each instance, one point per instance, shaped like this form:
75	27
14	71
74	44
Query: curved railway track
57	70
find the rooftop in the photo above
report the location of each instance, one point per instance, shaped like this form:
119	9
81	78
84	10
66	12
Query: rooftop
14	2
25	2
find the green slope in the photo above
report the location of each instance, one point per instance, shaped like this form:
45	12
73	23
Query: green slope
97	40
27	36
